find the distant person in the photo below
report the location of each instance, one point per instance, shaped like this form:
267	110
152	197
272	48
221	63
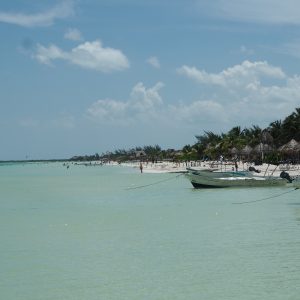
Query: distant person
141	167
236	166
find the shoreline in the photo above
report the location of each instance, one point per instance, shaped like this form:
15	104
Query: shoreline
170	167
162	167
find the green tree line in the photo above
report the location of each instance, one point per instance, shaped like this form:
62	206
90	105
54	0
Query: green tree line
278	133
211	145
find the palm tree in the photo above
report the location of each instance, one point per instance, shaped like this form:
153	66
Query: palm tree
291	127
208	143
153	152
208	138
252	135
275	129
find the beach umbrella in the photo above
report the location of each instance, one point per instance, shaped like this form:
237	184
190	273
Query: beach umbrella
246	150
262	148
291	147
234	151
178	153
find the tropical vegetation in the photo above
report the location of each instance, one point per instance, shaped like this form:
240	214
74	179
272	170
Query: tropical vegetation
241	142
248	143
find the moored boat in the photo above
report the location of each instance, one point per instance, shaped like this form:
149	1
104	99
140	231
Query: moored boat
210	181
217	173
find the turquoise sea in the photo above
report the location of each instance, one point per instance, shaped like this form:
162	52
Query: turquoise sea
79	233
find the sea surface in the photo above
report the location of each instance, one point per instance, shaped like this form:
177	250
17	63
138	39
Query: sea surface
80	233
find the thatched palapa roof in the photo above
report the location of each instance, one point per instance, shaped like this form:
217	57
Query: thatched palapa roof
246	150
291	146
234	150
262	148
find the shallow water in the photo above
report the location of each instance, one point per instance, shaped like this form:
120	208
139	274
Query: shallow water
79	233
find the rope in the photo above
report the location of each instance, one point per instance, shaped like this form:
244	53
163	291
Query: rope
154	183
263	199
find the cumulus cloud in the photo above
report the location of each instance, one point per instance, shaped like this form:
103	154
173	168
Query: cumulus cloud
143	104
204	110
108	110
246	94
46	55
238	75
89	55
146	105
154	62
46	18
256	11
73	34
255	91
145	100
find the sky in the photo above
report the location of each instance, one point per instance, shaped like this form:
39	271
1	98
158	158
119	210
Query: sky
88	76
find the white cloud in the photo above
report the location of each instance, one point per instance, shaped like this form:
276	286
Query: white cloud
238	75
247	94
257	11
154	62
46	55
146	105
46	18
73	34
243	93
201	110
145	100
108	110
143	104
89	55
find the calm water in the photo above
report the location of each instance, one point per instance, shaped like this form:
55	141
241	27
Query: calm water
78	233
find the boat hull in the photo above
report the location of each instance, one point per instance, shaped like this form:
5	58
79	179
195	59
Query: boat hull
202	181
216	173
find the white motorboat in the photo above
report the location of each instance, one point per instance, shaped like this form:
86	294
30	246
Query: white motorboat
217	173
208	180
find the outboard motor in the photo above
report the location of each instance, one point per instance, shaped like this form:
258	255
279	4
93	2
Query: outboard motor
286	176
252	169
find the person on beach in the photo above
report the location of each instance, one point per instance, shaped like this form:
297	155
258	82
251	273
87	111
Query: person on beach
236	166
141	167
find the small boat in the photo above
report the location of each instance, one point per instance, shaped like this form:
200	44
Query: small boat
217	173
207	180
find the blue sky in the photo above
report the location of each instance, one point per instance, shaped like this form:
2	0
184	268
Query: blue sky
80	77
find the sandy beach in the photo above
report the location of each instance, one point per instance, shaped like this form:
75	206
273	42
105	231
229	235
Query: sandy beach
171	167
